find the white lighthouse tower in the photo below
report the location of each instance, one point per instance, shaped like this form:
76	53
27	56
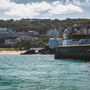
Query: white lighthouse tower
65	37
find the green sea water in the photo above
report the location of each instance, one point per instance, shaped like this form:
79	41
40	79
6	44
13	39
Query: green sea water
42	72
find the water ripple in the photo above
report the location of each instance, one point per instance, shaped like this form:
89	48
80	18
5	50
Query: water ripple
42	72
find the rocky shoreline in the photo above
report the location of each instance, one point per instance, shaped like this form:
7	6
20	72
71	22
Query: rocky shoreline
42	51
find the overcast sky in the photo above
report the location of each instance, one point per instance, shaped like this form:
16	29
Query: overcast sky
60	9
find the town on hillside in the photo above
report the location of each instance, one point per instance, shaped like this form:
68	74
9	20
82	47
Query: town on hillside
51	33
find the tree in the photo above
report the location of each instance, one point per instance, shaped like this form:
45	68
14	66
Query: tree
23	43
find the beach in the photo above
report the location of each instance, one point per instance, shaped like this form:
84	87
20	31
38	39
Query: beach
11	52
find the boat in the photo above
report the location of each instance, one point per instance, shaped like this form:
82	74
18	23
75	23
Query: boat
76	52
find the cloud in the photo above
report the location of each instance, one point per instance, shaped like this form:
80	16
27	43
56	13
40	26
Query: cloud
59	8
38	9
86	3
77	2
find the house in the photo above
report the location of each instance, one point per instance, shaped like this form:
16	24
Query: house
35	39
32	33
83	30
54	42
70	42
53	32
25	38
5	30
11	34
84	41
20	34
10	41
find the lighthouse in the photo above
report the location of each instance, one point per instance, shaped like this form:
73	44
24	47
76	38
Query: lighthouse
64	39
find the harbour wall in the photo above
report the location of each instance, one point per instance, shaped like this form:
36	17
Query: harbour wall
76	52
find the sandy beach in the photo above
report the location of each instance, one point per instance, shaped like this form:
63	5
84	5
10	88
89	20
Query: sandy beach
11	52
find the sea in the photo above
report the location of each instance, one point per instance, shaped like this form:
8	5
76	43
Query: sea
42	72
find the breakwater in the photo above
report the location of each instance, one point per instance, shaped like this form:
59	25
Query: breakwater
77	52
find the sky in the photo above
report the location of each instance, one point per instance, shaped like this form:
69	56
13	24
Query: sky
44	9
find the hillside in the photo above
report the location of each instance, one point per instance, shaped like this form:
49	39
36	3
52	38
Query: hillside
42	25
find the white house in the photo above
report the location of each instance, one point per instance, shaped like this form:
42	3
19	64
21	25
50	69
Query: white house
34	39
20	34
3	30
33	33
54	42
69	42
53	32
83	30
84	41
10	41
9	33
25	38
